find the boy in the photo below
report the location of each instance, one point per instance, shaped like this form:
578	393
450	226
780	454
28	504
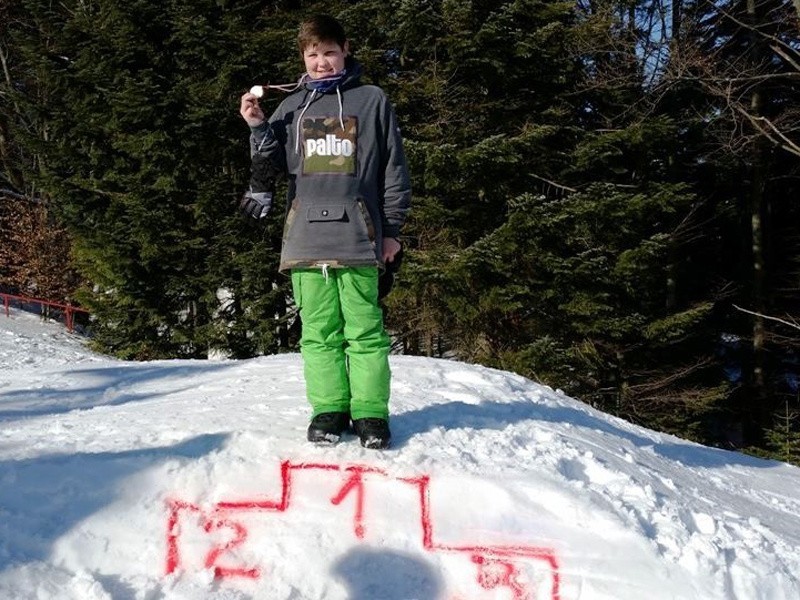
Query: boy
338	142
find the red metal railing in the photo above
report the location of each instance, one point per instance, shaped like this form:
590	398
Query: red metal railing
68	310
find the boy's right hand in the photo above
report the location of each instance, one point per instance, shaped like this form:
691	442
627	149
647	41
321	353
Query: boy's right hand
250	110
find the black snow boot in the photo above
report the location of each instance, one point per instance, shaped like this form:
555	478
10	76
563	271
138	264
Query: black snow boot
328	427
373	433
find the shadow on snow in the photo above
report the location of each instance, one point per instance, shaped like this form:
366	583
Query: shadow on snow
499	415
114	387
35	510
370	573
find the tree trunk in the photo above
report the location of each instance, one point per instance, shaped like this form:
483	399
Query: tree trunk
759	264
757	211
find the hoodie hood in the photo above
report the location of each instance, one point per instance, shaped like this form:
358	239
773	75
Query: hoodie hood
344	79
347	78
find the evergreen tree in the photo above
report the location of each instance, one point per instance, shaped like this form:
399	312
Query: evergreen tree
742	56
590	285
477	90
145	159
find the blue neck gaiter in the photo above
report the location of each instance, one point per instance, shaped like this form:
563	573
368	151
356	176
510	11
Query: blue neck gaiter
326	84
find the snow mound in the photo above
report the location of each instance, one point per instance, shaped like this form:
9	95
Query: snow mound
193	480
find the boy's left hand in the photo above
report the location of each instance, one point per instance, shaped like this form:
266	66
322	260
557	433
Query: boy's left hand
390	249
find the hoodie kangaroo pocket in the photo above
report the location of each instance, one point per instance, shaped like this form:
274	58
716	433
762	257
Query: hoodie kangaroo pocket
333	230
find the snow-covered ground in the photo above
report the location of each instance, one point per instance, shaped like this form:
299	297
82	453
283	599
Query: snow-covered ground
192	480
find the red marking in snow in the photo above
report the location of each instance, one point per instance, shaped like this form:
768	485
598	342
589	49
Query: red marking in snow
209	525
173	554
497	566
486	555
220	549
317	466
493	574
269	505
424	509
356	482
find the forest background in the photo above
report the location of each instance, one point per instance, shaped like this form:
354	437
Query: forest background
605	192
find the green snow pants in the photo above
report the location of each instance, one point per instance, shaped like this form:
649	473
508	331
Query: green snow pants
344	345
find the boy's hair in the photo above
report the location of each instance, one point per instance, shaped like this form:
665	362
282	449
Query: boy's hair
320	28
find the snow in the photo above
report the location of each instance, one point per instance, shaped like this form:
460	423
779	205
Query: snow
192	480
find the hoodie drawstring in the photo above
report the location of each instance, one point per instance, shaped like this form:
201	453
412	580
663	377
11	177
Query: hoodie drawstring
299	119
341	108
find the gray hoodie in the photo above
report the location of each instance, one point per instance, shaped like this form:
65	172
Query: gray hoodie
348	180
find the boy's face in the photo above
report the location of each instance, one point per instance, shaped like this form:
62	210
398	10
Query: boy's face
324	59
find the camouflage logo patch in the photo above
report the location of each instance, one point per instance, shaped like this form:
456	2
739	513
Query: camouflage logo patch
327	148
